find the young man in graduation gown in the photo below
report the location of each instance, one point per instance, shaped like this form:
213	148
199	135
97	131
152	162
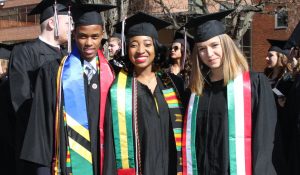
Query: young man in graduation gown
65	129
27	58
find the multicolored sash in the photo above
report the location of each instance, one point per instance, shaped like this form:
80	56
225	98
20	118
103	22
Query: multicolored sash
121	103
122	112
171	96
239	124
70	80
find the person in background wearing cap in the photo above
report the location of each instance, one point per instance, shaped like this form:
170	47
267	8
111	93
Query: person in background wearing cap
279	70
230	121
65	129
144	117
6	113
114	48
27	58
178	57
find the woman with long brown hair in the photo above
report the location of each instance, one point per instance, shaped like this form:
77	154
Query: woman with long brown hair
230	121
179	59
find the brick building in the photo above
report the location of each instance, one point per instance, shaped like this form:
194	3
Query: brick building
269	25
15	25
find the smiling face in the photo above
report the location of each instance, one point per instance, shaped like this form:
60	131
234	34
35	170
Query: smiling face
141	52
272	59
211	52
88	40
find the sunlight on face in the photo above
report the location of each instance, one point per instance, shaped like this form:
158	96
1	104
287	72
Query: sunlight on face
141	51
211	52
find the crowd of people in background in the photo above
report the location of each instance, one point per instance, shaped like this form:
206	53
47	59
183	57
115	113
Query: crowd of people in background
195	108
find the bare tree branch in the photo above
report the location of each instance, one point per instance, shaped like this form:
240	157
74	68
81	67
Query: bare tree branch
167	11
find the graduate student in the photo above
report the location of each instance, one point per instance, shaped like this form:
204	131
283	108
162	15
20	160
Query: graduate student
65	130
292	107
115	49
27	58
144	117
179	57
230	121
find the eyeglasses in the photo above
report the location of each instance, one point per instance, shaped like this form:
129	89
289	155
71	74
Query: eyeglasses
175	48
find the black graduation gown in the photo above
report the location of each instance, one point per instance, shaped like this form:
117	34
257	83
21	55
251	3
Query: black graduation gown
158	150
283	84
7	129
212	128
293	116
38	141
26	59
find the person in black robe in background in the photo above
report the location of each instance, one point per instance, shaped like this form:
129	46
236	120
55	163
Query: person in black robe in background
216	62
179	54
279	71
40	138
25	61
292	108
6	114
154	123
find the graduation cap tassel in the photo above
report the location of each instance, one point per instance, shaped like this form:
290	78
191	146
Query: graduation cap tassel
184	53
123	37
55	20
69	30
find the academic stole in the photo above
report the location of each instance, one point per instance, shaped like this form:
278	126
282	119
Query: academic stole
239	126
122	108
171	96
70	78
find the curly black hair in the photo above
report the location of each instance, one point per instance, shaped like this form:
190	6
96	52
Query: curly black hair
159	59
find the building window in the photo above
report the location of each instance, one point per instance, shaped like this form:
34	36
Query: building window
281	17
17	17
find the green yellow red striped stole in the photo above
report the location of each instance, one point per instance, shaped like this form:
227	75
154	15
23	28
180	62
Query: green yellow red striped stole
121	100
172	98
239	124
121	103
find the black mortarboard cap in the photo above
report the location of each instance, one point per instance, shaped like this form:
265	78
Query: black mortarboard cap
278	46
142	24
46	9
294	40
208	25
88	14
116	35
179	36
103	41
5	51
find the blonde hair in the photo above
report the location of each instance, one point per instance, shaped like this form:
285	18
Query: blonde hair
234	62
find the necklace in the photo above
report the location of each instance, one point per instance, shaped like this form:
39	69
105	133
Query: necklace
148	81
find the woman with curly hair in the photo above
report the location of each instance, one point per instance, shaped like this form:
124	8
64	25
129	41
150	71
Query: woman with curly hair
179	60
144	116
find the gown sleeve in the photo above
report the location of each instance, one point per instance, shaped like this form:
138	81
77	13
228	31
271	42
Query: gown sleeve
109	167
19	79
38	141
264	118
